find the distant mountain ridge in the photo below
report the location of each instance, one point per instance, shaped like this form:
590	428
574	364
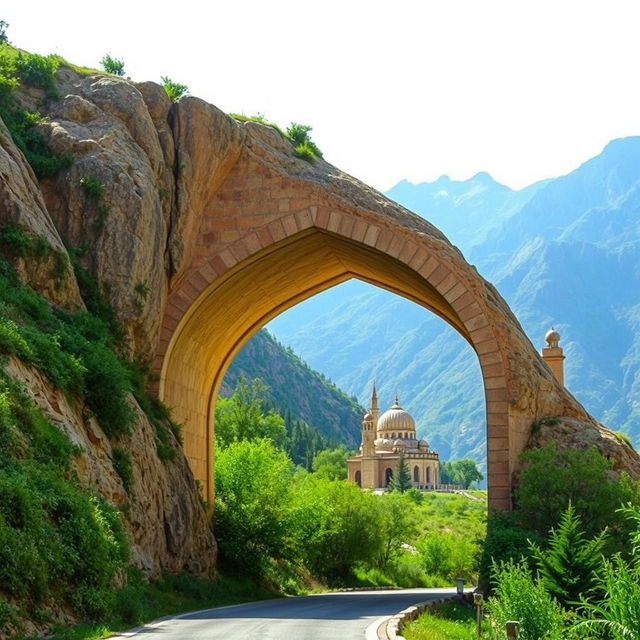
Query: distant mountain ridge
563	252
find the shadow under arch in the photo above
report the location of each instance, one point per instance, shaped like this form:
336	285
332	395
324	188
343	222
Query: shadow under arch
211	317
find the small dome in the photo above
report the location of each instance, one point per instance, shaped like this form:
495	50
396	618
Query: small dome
367	417
552	337
423	444
398	443
396	419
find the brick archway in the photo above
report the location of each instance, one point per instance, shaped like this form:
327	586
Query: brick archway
223	301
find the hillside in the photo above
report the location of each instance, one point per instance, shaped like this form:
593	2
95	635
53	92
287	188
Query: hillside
297	389
563	252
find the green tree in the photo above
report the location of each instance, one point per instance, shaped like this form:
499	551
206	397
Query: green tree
174	90
332	525
331	463
465	471
244	416
401	480
112	65
3	32
397	521
251	504
567	568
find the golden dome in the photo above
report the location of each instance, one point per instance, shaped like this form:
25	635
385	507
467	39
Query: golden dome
396	419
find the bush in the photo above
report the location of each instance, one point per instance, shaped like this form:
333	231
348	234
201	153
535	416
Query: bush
112	65
174	90
519	597
507	541
93	188
553	478
304	147
123	467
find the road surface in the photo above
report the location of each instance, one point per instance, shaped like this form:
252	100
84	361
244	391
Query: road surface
327	616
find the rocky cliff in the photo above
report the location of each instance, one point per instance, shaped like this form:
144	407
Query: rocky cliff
120	138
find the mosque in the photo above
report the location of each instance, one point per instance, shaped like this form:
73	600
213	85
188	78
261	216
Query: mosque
383	438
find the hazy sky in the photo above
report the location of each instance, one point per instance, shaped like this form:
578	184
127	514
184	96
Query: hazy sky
394	89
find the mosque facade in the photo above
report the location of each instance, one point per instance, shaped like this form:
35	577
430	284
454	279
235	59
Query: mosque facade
384	438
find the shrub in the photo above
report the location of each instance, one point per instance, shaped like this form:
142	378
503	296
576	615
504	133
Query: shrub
304	147
506	540
174	90
553	477
123	467
519	597
93	188
112	65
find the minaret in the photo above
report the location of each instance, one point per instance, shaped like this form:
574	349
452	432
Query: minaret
553	354
374	406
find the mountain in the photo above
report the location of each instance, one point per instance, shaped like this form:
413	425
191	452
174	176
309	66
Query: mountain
296	389
563	252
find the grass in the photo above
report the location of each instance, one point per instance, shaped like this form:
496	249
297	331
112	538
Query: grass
450	621
142	602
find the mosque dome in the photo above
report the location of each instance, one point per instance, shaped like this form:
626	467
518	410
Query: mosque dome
367	417
396	419
552	337
423	445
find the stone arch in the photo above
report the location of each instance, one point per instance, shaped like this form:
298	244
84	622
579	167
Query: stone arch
416	474
358	478
224	300
428	476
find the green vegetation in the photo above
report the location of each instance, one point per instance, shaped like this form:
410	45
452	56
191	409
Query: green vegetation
259	118
453	621
567	567
17	67
243	417
288	527
3	32
519	596
112	65
317	414
124	468
401	479
140	601
93	188
174	90
304	146
463	472
56	539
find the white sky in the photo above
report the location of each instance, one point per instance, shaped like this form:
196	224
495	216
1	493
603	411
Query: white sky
396	89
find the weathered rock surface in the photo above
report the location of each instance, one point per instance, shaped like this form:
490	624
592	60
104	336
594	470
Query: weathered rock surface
580	434
165	519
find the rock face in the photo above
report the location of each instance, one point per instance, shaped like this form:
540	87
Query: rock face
125	145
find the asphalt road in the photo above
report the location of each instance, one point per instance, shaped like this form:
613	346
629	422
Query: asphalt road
330	616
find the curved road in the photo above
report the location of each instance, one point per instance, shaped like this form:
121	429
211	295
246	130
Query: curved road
327	616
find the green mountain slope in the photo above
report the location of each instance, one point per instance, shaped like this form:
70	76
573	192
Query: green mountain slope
297	389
